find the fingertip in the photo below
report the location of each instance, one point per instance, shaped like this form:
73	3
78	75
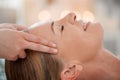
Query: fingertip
53	50
52	44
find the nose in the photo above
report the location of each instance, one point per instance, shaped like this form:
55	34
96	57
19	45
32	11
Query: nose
71	17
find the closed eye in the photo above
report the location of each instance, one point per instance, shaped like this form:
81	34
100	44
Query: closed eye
52	24
62	27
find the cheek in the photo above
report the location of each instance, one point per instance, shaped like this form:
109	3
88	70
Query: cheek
89	46
79	45
96	32
69	45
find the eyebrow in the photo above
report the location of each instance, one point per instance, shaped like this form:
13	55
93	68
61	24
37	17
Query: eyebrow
52	24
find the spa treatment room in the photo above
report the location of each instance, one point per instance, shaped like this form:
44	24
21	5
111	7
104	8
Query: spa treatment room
59	39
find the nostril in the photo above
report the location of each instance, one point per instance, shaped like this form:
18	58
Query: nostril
71	18
74	18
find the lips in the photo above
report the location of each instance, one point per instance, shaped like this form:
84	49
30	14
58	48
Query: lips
85	26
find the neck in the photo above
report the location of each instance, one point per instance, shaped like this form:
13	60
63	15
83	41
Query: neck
104	66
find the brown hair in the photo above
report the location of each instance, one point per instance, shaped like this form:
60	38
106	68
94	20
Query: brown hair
36	66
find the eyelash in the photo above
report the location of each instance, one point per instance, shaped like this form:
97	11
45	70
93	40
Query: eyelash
62	27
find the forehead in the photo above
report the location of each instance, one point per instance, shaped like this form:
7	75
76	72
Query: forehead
39	24
42	30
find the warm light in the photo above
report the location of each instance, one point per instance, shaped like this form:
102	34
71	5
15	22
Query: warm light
88	16
64	13
78	15
44	15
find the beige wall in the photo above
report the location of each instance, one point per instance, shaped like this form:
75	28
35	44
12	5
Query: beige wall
31	10
33	7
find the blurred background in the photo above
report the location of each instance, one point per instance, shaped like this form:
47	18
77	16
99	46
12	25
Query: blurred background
27	12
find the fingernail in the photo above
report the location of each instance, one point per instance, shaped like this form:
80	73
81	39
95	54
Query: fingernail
54	50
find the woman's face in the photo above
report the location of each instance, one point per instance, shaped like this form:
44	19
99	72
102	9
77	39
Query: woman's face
74	39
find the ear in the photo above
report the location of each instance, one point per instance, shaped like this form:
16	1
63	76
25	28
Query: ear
71	72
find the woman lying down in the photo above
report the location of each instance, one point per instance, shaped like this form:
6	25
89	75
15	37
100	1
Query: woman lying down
81	55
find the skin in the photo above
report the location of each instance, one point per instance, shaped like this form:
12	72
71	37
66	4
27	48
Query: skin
13	42
81	48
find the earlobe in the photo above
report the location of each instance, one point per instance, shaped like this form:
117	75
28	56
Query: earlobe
71	72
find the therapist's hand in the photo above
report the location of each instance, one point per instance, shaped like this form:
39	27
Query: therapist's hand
13	43
12	26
